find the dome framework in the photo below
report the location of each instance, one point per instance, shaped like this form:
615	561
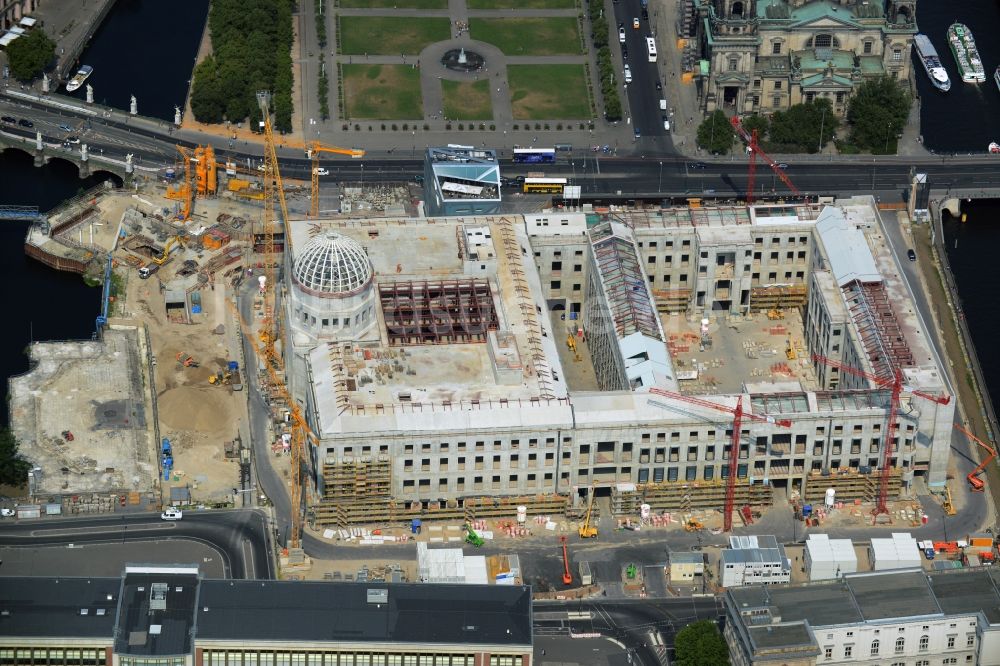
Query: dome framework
333	265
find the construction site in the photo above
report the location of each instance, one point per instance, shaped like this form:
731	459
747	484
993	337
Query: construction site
682	367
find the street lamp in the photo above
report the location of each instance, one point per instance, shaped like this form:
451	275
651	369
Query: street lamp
659	183
888	128
822	124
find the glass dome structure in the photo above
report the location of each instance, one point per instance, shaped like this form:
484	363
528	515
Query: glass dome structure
332	265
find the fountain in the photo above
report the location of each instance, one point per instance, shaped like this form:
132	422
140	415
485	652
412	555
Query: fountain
460	60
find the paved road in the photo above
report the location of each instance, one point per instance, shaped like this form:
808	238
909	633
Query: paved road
239	537
646	627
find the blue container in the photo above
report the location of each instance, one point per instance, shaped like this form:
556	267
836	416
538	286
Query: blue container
807	510
234	366
415	526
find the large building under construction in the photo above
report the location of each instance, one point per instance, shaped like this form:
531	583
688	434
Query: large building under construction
526	359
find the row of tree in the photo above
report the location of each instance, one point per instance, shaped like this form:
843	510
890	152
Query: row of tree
599	36
876	114
251	51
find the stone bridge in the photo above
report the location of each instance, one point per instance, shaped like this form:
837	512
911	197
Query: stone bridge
87	164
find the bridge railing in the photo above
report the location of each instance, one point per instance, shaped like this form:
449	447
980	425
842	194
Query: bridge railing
20	213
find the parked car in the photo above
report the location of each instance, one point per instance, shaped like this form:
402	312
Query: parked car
9	119
621	35
911	255
697	165
624	51
172	514
659	86
628	74
666	123
24	122
7	513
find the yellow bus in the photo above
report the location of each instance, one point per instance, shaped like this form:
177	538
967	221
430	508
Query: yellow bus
544	185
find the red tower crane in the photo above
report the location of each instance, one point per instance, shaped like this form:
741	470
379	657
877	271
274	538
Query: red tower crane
895	384
734	446
977	484
753	150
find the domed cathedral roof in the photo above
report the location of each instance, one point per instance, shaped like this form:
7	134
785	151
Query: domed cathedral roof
332	265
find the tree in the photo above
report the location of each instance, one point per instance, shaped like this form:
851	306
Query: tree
30	55
803	127
756	122
877	114
13	468
700	644
715	134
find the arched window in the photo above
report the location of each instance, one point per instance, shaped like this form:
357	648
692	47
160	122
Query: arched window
900	645
736	10
875	647
823	41
924	642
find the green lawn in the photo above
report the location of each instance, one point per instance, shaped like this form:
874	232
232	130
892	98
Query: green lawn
390	35
392	4
520	4
549	92
468	100
529	36
382	92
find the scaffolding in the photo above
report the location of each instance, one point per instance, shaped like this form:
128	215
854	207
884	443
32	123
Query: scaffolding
446	311
850	485
672	301
878	327
624	283
365	511
688	495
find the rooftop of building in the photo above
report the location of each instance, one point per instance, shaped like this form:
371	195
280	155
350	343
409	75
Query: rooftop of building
157	611
153	620
701	218
817	9
493	351
878	597
396	613
74	607
465	172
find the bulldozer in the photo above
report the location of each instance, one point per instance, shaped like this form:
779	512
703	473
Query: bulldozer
186	360
221	378
588	531
693	525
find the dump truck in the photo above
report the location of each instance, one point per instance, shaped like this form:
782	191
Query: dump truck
148	270
235	381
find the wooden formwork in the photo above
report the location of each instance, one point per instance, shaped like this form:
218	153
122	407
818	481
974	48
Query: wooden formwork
370	511
850	486
686	495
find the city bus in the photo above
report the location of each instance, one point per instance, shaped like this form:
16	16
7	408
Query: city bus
544	185
535	155
651	49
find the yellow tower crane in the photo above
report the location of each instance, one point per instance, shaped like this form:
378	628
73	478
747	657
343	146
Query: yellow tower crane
314	150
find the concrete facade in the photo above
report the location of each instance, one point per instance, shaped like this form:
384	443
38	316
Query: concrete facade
451	429
766	55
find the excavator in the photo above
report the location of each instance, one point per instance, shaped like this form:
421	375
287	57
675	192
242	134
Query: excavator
978	485
588	531
171	242
472	538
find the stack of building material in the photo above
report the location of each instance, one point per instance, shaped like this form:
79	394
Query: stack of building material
898	552
827	558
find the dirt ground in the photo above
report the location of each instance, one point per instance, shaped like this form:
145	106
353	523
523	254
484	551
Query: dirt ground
196	417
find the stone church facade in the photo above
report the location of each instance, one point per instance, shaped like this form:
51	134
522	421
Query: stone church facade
761	56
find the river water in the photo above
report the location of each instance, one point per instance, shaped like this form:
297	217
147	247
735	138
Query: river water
130	57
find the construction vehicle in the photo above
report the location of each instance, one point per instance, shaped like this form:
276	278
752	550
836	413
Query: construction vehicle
567	576
978	485
235	381
790	350
588	531
472	538
314	150
220	378
171	242
571	343
186	360
948	505
775	314
148	271
693	525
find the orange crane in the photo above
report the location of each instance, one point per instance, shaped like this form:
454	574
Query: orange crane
734	447
300	431
314	151
567	576
753	150
977	484
895	384
183	192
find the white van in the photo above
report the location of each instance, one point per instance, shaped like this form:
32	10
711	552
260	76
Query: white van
628	74
663	104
